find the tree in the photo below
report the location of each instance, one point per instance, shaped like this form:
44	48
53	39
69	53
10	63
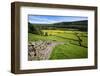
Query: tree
79	39
34	29
46	34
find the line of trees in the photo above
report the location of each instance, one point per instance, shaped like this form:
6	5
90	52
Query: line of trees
78	25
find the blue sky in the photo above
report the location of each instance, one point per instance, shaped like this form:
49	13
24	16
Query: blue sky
44	19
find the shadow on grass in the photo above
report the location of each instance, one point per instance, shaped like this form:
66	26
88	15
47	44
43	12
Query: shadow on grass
79	45
66	38
72	40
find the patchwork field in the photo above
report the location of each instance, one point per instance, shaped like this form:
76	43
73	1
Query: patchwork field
59	44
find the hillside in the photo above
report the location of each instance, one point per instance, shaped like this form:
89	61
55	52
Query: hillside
78	25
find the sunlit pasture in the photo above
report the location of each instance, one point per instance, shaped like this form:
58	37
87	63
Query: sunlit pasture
70	49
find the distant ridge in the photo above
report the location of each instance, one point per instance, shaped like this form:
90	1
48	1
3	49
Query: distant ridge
80	25
83	21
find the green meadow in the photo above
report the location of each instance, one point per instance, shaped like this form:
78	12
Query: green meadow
74	45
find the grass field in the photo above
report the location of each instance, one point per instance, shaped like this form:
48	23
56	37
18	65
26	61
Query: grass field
70	49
